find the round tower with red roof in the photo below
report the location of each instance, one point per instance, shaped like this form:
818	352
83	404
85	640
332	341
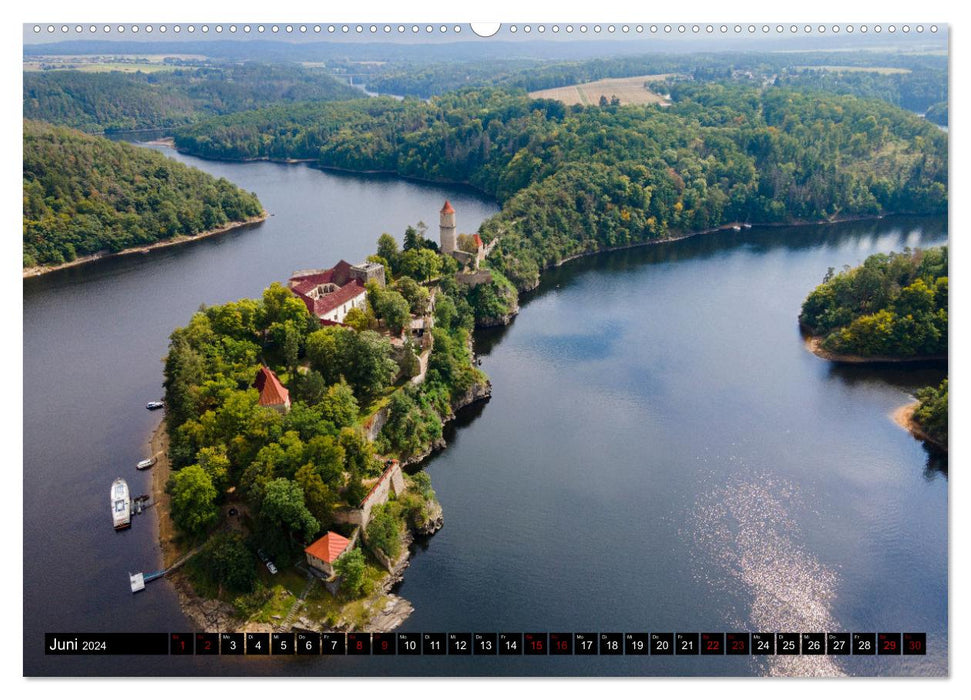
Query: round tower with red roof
446	228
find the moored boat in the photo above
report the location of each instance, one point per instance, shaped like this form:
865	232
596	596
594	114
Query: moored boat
155	405
120	504
146	463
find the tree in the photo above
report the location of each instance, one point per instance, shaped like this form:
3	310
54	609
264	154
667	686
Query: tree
327	351
318	496
215	463
357	319
280	305
309	387
421	264
393	308
413	239
283	506
193	500
350	567
227	560
416	295
339	405
368	363
388	249
384	531
328	457
359	453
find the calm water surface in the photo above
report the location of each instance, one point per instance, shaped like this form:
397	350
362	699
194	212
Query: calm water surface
660	452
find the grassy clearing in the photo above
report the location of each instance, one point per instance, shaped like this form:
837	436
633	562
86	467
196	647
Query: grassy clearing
630	91
277	607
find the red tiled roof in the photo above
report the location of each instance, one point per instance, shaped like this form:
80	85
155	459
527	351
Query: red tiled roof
327	303
478	240
272	392
340	275
328	547
447	209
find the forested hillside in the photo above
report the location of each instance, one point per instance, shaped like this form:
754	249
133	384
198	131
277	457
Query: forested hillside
113	101
585	178
85	194
891	306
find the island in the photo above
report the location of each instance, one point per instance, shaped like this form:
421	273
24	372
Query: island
291	422
86	197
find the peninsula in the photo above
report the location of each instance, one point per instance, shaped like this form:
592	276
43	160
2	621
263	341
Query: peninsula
892	308
86	197
290	421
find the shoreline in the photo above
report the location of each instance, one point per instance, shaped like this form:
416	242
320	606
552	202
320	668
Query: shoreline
814	344
680	236
904	417
39	270
387	610
317	165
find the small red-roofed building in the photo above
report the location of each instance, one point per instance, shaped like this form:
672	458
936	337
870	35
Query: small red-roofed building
322	554
272	393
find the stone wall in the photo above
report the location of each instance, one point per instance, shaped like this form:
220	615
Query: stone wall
422	369
373	425
391	481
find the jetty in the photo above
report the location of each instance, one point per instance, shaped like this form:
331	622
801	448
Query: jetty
138	580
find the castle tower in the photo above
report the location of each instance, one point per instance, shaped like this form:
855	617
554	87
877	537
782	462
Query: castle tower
446	228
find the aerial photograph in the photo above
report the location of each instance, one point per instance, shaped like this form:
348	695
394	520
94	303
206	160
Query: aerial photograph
451	350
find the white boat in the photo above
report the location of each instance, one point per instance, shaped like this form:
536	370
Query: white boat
120	504
155	405
146	463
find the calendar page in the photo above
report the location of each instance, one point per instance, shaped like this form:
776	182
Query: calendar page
364	349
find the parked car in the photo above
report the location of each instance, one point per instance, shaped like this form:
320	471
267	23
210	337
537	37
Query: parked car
270	566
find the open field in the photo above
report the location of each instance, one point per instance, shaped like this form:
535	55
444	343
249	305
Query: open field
630	91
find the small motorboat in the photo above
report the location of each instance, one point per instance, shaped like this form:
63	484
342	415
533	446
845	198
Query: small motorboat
146	463
155	405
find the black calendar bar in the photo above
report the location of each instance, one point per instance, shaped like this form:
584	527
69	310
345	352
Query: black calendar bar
303	643
105	644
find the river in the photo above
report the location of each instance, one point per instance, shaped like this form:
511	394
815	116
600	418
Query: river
660	452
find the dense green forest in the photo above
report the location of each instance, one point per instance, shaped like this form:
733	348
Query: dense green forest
85	194
114	101
915	90
293	469
586	178
931	412
914	82
891	306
